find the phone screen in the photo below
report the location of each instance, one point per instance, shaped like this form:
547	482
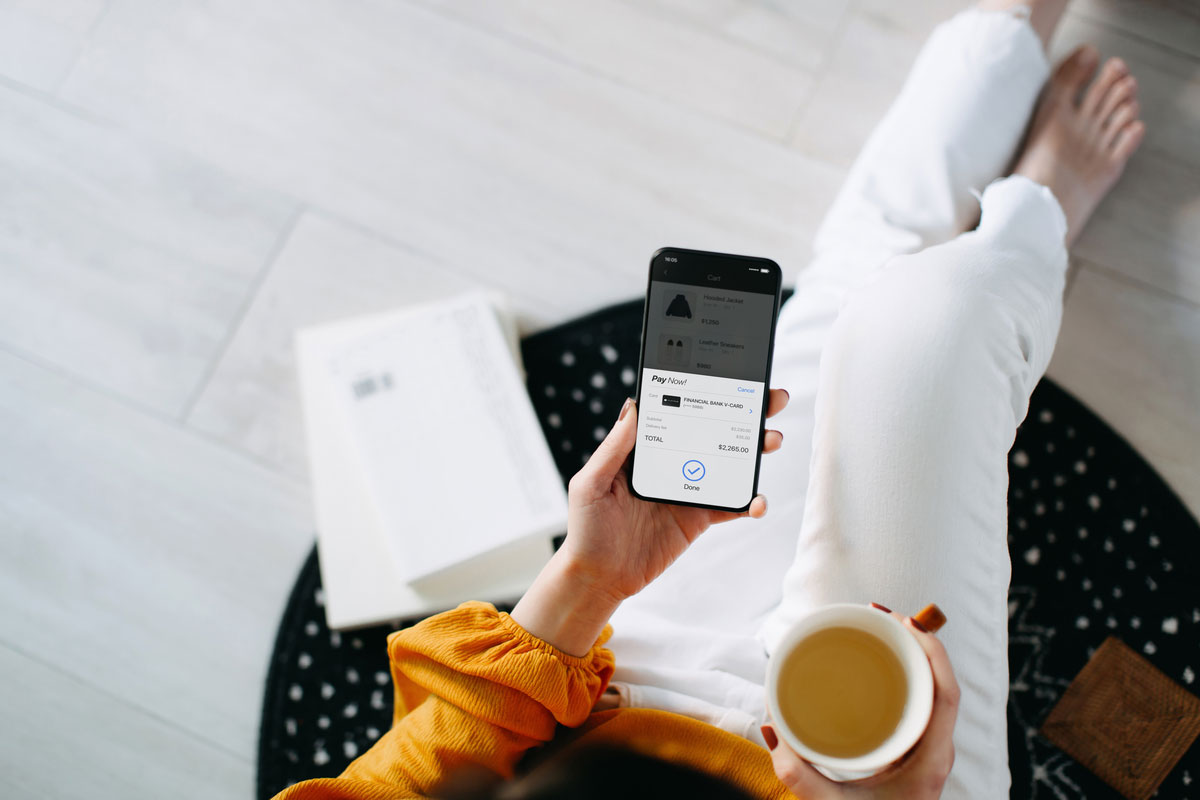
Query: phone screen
703	380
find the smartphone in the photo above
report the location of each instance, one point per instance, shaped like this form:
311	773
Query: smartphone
703	377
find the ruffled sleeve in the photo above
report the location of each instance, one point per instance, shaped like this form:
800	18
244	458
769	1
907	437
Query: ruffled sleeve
473	688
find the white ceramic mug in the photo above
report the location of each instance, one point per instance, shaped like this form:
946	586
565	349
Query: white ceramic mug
918	704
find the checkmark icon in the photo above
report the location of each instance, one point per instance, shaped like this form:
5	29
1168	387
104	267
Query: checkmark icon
693	470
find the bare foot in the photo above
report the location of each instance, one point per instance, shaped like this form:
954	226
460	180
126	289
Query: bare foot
1081	137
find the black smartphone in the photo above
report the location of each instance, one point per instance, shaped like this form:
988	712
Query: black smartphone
703	377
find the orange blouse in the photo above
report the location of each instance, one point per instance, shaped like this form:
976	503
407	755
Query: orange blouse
472	687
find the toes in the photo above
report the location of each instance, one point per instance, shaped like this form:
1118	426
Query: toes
1120	119
1128	139
1110	74
1121	92
1076	70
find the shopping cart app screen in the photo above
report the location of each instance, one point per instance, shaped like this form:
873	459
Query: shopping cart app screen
702	393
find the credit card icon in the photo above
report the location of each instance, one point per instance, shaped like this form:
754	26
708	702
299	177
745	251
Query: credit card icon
671	400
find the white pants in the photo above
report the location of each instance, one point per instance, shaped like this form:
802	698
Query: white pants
910	350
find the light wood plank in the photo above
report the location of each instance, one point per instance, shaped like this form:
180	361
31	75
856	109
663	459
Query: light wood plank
914	19
1149	226
1174	23
39	41
798	32
327	271
866	69
495	159
63	738
144	559
682	65
122	262
1133	356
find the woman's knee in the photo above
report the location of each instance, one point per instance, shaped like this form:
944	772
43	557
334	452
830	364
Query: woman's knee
920	313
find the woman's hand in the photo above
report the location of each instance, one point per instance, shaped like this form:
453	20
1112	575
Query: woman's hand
918	775
622	543
616	544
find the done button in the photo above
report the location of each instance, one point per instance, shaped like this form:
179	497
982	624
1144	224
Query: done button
693	470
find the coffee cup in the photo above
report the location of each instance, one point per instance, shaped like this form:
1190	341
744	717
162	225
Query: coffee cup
850	689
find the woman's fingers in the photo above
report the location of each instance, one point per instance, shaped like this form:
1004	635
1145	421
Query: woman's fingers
772	441
938	739
935	750
598	473
758	507
795	773
777	401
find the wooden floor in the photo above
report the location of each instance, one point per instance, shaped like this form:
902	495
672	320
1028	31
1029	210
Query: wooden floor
183	184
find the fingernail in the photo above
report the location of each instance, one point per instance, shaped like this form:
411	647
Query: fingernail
625	408
884	609
913	621
930	618
768	734
789	394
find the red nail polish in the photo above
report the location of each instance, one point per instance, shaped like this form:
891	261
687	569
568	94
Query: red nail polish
884	609
768	733
918	625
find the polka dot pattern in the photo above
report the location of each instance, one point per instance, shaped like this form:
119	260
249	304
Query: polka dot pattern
329	693
1100	547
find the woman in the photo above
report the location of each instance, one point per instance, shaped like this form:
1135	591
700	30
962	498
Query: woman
926	335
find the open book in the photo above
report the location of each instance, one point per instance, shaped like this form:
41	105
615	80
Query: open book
432	482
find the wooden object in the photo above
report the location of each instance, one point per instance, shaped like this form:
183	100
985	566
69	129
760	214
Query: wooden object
1125	720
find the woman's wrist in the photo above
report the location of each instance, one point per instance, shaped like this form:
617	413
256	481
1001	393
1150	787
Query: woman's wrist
566	607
